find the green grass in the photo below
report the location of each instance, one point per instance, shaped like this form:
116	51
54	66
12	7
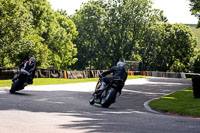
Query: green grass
196	32
181	102
51	81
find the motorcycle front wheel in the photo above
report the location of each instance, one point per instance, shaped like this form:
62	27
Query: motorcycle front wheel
15	86
109	98
91	101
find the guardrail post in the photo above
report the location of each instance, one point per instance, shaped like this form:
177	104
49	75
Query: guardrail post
65	74
144	73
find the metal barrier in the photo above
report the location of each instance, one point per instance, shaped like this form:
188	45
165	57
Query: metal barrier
8	73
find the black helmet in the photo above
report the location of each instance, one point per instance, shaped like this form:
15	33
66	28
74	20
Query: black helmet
120	64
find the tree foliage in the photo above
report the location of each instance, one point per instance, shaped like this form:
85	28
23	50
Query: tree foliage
61	33
32	28
115	30
195	9
109	30
97	36
18	37
168	47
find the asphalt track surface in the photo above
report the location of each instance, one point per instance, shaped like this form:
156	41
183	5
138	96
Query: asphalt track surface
65	109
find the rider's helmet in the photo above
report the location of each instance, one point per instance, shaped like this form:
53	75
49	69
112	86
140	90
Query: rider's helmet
120	64
32	60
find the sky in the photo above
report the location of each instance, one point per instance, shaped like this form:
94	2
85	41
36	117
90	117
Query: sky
176	11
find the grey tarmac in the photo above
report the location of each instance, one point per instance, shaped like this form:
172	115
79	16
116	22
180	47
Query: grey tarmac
66	109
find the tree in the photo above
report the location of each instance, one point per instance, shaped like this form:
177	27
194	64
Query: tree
110	30
150	45
61	33
196	65
89	22
32	28
56	31
168	47
17	37
195	9
179	46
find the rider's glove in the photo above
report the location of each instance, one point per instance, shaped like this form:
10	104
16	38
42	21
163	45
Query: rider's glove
100	75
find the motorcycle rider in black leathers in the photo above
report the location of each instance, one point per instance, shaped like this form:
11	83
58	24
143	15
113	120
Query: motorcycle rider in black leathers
119	73
29	66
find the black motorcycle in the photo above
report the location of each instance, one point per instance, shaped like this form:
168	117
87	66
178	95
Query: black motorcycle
107	96
21	79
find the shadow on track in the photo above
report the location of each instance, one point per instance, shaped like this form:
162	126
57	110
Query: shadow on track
126	115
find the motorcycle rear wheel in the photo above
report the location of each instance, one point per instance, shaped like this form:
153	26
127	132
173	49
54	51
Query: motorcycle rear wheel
109	98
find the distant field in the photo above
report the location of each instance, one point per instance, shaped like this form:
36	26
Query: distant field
196	32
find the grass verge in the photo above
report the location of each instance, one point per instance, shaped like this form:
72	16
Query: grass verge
181	102
51	81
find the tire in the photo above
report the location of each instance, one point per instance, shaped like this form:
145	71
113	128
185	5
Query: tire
15	87
109	98
91	101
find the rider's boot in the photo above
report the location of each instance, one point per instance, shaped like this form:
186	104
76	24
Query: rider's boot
102	87
25	84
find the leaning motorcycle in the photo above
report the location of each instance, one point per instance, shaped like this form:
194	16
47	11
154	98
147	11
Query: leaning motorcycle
20	80
108	95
